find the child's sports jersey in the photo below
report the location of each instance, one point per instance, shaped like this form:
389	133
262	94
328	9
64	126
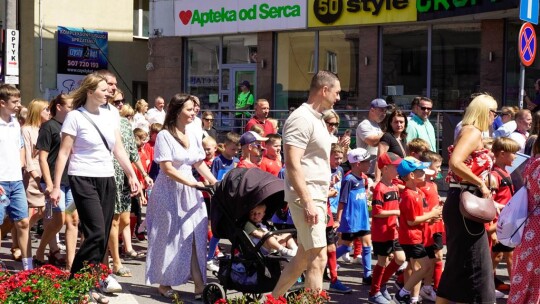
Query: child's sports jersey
432	198
412	205
337	176
221	165
272	166
355	216
384	198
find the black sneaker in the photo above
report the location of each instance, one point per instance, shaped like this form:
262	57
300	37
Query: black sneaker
406	299
367	280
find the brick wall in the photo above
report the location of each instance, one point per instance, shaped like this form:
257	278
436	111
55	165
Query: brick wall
491	72
265	75
367	74
166	78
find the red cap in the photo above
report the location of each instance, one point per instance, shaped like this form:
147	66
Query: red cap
388	158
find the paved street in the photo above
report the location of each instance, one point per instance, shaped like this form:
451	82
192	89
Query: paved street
135	291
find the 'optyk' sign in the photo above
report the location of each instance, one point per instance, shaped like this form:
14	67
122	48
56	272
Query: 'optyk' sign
12	57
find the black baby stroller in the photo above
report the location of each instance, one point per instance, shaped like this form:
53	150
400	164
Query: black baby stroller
245	269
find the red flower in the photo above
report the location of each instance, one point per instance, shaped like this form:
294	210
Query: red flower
56	285
221	301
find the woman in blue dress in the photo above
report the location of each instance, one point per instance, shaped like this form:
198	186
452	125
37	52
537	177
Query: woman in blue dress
176	214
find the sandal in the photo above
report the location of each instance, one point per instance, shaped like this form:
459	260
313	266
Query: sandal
169	294
132	254
16	254
123	272
37	262
55	260
96	297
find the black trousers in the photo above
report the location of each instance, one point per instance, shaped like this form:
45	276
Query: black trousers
94	198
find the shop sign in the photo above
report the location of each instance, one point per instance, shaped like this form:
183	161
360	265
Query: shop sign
354	12
81	51
436	9
12	56
237	16
204	81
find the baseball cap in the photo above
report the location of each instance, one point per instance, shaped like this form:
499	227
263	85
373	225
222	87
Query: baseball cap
358	155
411	164
379	103
388	158
251	137
245	83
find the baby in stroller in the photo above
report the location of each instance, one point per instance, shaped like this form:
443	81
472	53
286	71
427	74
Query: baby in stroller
256	229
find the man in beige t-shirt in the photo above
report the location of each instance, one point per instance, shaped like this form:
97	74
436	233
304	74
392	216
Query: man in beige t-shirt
307	179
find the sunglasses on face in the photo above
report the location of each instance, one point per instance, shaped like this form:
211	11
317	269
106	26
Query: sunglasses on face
333	124
495	114
119	101
426	108
208	119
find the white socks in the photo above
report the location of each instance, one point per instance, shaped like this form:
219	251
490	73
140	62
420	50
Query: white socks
287	252
28	263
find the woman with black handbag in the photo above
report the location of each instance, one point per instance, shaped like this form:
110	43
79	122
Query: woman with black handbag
468	273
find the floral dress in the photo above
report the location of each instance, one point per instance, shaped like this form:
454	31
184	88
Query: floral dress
123	191
525	286
176	215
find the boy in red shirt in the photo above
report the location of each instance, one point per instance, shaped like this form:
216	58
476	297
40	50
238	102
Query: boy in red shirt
504	150
271	161
411	226
149	148
252	150
384	228
434	231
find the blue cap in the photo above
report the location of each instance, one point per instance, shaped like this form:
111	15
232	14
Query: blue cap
411	164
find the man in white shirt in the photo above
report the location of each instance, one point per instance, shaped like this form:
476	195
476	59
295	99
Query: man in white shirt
369	133
524	123
157	113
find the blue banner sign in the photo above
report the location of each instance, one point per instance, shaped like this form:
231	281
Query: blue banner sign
81	51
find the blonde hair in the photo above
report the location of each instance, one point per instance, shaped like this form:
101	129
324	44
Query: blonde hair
140	104
477	113
257	129
505	144
418	145
88	84
34	112
329	114
126	111
208	140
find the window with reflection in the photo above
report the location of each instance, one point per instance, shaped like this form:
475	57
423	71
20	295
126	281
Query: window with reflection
202	68
240	49
455	64
404	63
295	68
338	52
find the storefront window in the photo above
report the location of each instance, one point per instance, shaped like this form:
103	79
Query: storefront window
240	49
294	69
455	64
404	63
202	68
338	52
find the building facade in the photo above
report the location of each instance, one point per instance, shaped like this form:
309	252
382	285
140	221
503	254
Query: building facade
124	50
395	49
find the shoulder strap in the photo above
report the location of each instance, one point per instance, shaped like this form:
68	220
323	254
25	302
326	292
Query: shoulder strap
95	126
506	178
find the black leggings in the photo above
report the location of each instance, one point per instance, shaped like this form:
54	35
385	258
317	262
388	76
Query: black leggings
94	198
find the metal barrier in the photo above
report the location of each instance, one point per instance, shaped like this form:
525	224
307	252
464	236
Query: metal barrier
225	121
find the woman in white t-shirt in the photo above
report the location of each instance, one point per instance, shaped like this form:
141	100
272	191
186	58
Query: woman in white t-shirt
89	135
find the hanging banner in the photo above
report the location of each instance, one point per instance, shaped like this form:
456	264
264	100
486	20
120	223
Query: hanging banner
12	64
81	51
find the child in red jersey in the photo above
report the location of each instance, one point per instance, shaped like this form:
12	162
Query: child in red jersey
435	229
412	222
149	148
504	150
384	228
271	161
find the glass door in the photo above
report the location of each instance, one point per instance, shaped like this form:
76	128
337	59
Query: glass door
231	78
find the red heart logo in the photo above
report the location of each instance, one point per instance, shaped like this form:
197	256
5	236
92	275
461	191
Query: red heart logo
185	16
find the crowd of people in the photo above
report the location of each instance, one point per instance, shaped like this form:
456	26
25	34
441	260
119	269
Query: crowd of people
89	161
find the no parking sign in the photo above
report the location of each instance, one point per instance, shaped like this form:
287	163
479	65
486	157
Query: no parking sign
527	44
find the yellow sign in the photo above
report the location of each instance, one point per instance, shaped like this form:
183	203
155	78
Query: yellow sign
355	12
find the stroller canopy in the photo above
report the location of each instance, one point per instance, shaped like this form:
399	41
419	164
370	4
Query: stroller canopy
240	191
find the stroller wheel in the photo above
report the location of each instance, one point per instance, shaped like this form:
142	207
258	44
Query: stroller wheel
213	292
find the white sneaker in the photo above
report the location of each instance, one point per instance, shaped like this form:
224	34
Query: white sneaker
499	295
358	260
211	265
427	293
346	258
403	266
110	285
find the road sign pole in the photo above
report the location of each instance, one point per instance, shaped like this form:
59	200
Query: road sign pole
521	85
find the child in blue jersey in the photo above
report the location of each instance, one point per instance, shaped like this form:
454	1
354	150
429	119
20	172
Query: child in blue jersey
222	164
353	213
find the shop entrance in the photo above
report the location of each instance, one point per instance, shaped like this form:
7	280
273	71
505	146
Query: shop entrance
231	77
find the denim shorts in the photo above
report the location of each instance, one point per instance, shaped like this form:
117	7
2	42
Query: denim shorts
66	198
18	206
